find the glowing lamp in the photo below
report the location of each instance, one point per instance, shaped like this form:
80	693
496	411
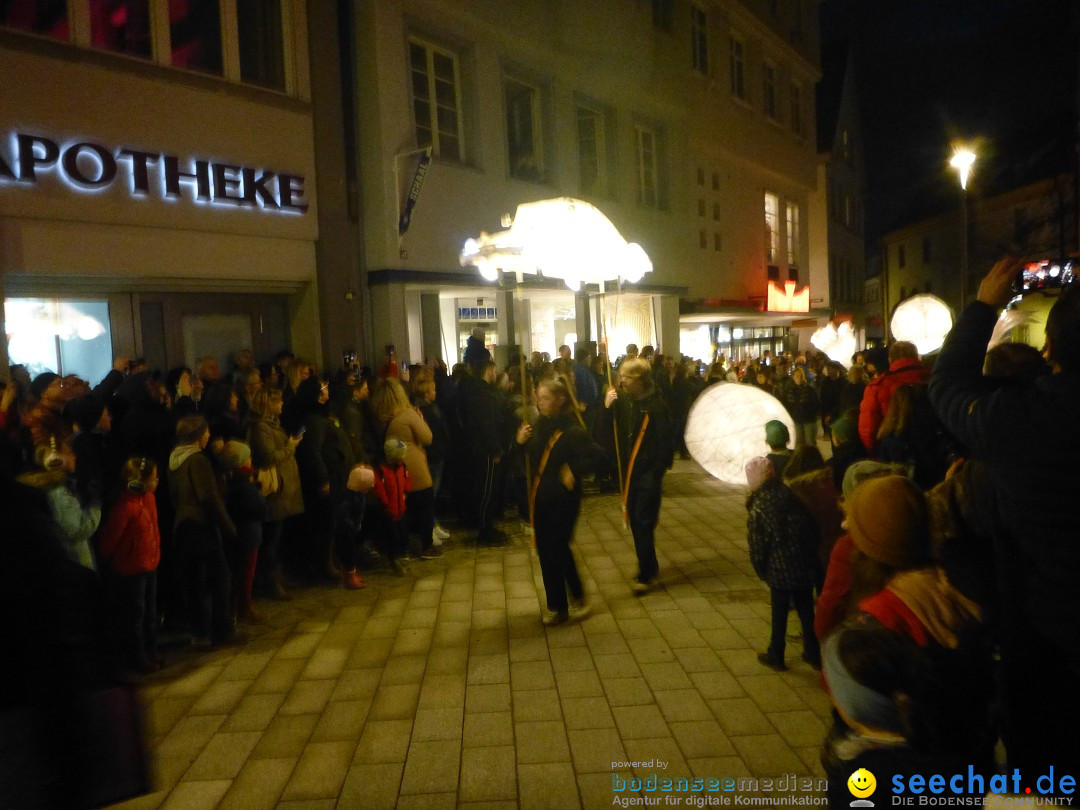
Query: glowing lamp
838	342
924	320
962	160
561	238
787	300
726	428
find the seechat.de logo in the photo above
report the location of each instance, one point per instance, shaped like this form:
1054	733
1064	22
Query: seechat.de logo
862	784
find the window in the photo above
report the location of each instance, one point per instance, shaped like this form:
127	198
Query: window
591	153
738	71
716	212
699	40
195	35
715	181
793	235
648	180
927	251
796	109
901	259
772	224
59	335
48	17
436	100
523	137
716	241
663	14
121	25
769	90
262	59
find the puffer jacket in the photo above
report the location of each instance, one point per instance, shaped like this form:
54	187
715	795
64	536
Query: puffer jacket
77	523
130	538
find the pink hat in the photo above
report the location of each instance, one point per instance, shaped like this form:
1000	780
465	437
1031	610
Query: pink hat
361	479
759	470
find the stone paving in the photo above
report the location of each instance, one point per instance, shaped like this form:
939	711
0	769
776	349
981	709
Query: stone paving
444	689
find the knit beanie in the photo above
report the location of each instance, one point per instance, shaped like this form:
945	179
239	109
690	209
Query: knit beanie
844	429
190	429
888	521
41	382
776	434
758	471
361	478
864	470
86	412
394	450
235	455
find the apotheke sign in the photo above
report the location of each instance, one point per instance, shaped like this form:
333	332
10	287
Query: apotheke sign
84	166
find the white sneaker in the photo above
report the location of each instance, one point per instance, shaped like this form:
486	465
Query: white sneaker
440	533
435	540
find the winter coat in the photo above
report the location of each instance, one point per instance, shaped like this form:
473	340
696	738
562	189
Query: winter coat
410	427
802	402
783	538
309	455
195	493
76	523
247	508
130	538
440	433
476	352
270	447
338	455
831	393
879	392
392	484
657	451
818	494
481	412
574	448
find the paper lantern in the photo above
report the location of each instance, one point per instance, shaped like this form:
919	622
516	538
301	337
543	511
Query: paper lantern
924	320
726	428
838	342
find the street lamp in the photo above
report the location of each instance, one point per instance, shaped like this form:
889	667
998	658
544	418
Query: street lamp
962	160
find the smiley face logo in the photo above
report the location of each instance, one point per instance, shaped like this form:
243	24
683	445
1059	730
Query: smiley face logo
862	783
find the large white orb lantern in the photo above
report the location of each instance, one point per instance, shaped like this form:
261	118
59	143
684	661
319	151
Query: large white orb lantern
924	320
726	428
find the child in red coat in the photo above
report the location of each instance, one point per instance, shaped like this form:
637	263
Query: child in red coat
392	483
129	550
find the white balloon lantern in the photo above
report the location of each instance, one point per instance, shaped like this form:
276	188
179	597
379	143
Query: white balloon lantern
924	320
838	342
726	428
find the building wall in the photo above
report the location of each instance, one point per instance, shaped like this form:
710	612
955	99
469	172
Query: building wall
635	75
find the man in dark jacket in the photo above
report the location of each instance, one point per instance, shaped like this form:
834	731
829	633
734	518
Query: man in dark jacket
480	408
476	353
643	429
1021	433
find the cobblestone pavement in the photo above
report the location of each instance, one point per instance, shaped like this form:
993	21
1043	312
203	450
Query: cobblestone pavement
444	689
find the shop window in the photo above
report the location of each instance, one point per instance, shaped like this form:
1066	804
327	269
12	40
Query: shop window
262	58
195	35
436	94
59	335
47	17
523	134
122	26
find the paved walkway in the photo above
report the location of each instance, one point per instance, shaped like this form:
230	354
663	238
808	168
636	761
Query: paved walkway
445	690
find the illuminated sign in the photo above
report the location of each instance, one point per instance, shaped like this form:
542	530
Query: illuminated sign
787	300
90	167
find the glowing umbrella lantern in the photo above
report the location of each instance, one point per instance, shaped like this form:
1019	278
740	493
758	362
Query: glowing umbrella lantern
726	428
561	238
924	320
838	342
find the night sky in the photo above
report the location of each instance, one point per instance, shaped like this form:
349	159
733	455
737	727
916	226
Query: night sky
929	71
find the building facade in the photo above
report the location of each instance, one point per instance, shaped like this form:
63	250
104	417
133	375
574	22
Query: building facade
157	182
691	126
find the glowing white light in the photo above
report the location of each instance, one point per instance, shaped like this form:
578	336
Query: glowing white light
924	320
562	238
736	333
962	160
726	428
838	342
1008	320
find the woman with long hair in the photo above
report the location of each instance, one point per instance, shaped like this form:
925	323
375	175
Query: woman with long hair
560	453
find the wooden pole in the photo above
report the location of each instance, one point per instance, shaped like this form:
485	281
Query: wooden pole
524	408
607	368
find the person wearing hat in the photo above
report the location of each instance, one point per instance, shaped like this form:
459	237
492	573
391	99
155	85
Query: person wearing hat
249	511
777	437
847	448
201	526
476	352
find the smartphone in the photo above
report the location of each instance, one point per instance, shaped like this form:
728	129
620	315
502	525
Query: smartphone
1044	275
404	365
301	431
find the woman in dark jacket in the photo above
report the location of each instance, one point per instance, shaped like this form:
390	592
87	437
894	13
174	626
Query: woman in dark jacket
804	405
560	453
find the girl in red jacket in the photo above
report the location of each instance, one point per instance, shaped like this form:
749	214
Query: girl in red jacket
129	549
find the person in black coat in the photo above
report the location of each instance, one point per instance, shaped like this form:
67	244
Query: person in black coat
482	413
560	453
646	440
1021	434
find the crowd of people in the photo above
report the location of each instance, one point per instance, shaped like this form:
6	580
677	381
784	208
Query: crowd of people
938	537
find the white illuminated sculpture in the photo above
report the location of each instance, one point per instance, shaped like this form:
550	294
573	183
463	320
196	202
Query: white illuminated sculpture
924	320
838	342
726	428
561	238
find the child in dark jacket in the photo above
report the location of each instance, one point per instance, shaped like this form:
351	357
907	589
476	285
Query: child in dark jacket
392	483
129	550
249	511
783	539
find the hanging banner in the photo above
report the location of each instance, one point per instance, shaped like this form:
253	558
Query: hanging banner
414	192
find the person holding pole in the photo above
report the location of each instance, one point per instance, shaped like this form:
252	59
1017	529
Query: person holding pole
645	442
560	454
